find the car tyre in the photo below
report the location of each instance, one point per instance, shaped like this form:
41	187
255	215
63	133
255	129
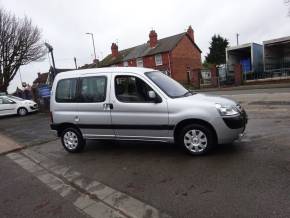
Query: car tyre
72	140
196	139
22	111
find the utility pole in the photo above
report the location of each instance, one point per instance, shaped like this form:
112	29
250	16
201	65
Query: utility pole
75	60
92	35
238	38
50	50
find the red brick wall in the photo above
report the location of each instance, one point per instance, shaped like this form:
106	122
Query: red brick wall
184	57
149	62
238	74
132	63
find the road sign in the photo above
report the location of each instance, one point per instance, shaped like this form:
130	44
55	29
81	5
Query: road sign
44	91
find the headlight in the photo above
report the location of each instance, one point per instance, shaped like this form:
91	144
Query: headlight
30	103
226	110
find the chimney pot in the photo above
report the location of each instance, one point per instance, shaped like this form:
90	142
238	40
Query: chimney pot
114	49
153	38
190	32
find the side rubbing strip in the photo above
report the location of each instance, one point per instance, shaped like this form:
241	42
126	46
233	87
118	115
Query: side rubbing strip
149	127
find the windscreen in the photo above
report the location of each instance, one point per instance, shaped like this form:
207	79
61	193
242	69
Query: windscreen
171	87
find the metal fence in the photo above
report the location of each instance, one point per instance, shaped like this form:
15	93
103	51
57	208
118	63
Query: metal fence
226	74
205	79
272	71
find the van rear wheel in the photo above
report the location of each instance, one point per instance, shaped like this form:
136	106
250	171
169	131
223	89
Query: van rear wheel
196	139
72	140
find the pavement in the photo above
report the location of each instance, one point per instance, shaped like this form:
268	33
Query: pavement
247	87
249	178
23	195
8	145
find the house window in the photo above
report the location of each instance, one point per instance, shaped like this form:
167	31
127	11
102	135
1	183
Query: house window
125	64
158	59
139	62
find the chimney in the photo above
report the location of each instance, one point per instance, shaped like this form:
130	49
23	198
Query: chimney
114	49
190	32
38	74
153	38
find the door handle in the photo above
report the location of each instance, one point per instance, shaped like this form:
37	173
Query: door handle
108	106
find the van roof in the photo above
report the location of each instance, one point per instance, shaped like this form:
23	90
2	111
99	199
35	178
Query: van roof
140	70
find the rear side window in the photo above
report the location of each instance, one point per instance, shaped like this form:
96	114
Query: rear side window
93	89
66	90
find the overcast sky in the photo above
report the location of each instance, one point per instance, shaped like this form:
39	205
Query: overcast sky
64	24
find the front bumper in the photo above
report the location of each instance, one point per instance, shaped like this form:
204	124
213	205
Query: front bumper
229	129
33	108
237	122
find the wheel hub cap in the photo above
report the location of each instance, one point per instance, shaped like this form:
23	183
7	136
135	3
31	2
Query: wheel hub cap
195	140
70	140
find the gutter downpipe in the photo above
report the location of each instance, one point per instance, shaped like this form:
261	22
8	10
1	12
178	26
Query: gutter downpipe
169	54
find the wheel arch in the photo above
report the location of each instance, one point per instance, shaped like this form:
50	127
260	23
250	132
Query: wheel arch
63	126
22	107
185	122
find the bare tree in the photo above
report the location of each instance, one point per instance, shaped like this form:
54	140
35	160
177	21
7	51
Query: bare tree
19	45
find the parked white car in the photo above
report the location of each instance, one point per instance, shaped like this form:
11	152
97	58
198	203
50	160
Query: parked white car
10	105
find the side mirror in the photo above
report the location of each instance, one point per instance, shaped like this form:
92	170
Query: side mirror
152	95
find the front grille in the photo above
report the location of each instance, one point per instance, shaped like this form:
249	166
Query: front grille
34	107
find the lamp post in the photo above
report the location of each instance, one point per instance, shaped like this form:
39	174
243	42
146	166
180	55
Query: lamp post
50	50
92	35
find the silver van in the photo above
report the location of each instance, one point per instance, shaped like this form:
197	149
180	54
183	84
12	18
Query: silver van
139	104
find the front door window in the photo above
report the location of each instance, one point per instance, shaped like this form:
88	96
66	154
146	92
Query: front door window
131	89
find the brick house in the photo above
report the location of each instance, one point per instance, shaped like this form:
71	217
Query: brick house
178	56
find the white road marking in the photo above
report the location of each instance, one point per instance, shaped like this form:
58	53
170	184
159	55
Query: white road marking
92	197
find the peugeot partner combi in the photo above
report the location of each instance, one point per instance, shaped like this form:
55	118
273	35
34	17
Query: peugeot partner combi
127	103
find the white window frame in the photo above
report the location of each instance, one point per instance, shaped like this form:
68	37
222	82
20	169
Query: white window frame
139	62
158	59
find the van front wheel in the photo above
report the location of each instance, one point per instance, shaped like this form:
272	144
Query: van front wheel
196	139
72	140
